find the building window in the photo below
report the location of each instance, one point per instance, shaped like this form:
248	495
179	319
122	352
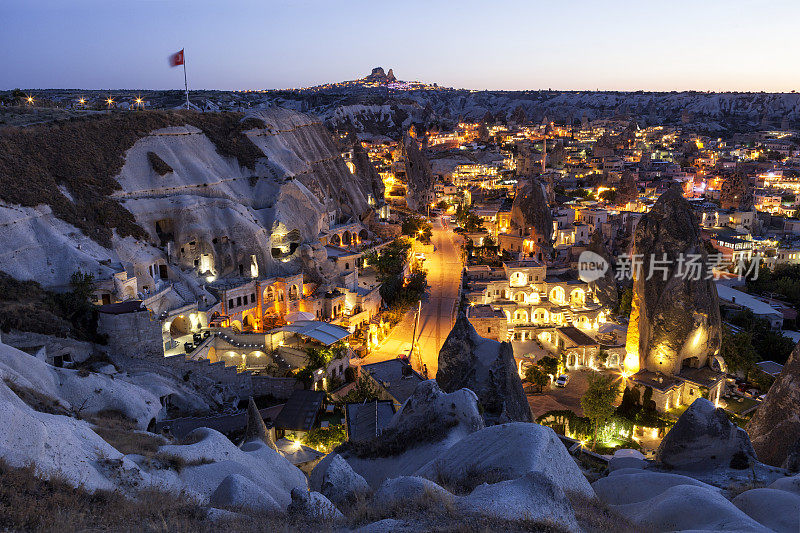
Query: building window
238	301
253	298
230	303
489	329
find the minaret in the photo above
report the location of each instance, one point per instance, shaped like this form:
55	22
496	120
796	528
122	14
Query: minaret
544	155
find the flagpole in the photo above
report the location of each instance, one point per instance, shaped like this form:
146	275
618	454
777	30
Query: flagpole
185	83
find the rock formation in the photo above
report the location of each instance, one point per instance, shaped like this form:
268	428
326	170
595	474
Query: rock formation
675	318
627	191
530	213
365	170
736	192
775	426
419	176
243	189
704	438
604	288
486	367
256	428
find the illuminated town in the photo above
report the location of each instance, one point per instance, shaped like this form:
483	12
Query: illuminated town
388	305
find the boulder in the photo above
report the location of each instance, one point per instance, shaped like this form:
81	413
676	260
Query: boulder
674	317
212	457
388	525
509	451
703	438
626	459
429	422
790	484
533	497
633	487
313	505
340	484
778	510
428	403
239	492
687	507
775	426
395	491
486	367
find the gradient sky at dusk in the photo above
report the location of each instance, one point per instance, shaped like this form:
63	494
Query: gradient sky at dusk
248	44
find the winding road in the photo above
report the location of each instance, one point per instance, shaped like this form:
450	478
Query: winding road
444	268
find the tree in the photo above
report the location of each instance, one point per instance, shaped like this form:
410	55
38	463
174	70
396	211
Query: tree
609	196
548	364
737	351
536	377
625	302
364	391
630	406
82	285
598	401
319	357
418	228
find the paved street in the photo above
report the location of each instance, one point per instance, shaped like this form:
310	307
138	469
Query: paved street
444	276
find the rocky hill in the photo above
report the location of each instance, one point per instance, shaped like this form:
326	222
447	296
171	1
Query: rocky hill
117	187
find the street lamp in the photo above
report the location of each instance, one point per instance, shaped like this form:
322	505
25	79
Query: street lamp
29	99
82	101
138	101
109	102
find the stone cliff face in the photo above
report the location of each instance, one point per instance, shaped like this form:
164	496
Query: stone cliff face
419	176
229	202
487	368
530	212
775	426
676	319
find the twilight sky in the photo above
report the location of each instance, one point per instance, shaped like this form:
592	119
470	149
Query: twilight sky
749	45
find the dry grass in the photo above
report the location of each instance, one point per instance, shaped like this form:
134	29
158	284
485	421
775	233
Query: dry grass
37	400
159	165
28	503
176	462
84	154
466	481
121	433
394	441
594	515
436	512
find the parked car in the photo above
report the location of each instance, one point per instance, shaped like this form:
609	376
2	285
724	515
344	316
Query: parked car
562	380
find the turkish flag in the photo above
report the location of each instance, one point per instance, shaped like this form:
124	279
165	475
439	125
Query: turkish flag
176	59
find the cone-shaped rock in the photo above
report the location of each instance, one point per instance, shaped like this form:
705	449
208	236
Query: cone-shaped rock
487	368
256	428
605	287
530	212
775	426
675	317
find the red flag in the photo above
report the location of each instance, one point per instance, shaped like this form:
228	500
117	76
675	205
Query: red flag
176	59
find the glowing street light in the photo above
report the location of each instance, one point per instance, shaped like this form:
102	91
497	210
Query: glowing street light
109	102
138	100
82	101
29	99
